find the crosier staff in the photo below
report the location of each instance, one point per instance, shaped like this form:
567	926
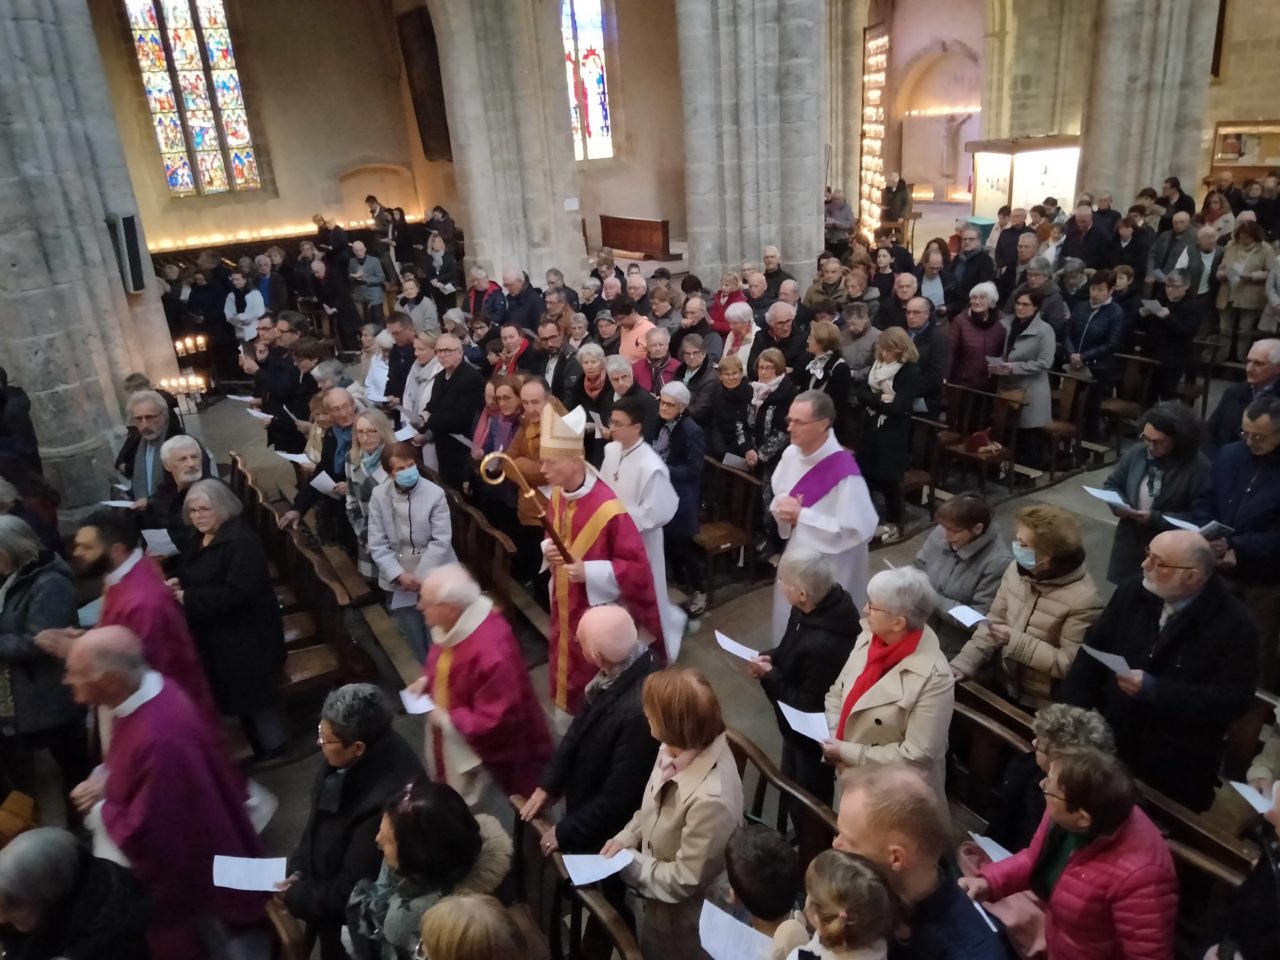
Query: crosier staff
499	459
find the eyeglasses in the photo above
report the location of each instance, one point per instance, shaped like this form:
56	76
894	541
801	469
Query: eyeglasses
326	743
448	349
1162	565
1248	435
803	423
1044	788
872	607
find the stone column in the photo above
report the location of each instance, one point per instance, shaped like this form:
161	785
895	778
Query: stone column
751	74
68	334
1146	105
504	83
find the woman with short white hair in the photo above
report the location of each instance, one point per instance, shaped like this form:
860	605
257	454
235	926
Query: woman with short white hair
623	381
976	333
894	698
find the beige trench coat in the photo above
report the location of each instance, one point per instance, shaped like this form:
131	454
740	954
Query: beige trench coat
679	835
905	716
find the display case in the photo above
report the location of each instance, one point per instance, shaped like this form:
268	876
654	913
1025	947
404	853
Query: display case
1247	149
1023	171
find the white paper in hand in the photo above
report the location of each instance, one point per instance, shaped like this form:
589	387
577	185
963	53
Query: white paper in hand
585	868
405	434
301	459
128	504
159	543
1152	305
258	414
239	397
812	725
416	702
1181	524
736	648
990	848
724	938
1106	496
735	461
967	615
465	441
1109	660
248	873
1259	801
325	484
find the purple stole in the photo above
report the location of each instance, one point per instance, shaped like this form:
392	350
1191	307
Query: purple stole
824	475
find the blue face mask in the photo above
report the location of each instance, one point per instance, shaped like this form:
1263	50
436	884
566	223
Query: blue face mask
1025	557
407	478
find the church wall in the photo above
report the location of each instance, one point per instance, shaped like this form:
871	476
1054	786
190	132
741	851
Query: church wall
326	95
646	177
1249	77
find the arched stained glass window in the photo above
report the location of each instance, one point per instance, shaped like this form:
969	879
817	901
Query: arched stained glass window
582	25
202	129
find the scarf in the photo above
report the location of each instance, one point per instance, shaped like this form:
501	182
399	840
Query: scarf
414	301
342	447
880	379
670	765
915	334
437	259
1016	329
501	430
761	391
662	443
594	386
881	658
656	370
605	679
507	366
818	368
984	321
242	298
370	462
736	343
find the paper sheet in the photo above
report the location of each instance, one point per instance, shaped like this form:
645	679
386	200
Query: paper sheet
990	848
1106	496
241	399
127	504
258	414
416	702
983	913
733	460
248	873
122	487
1258	801
596	422
465	441
160	543
1213	530
1152	305
301	459
967	615
1108	660
290	414
403	598
812	725
405	434
1181	524
585	868
324	483
371	398
736	648
88	615
724	938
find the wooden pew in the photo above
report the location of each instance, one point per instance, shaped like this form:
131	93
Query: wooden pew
971	411
650	239
920	482
1067	426
731	508
1132	388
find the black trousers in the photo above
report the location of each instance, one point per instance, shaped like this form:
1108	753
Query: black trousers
69	746
807	769
894	504
685	560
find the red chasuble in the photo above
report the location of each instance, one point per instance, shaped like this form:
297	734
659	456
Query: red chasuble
595	526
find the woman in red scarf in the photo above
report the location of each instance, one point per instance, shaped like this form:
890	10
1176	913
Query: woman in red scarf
893	699
595	395
518	355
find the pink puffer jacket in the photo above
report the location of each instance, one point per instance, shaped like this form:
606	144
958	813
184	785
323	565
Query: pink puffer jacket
1117	897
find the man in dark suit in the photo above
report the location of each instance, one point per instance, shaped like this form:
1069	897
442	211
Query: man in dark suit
972	266
524	303
1006	251
1085	240
332	525
604	760
1203	261
456	401
1192	650
561	370
1262	379
1175	202
934	349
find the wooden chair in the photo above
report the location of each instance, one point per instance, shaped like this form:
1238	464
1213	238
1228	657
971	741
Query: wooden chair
1130	400
970	411
1067	425
1195	385
920	482
731	508
815	821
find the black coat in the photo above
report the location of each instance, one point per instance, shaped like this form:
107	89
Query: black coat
104	917
1006	254
337	848
685	458
565	376
334	291
774	279
455	403
885	451
892	313
650	403
730	431
794	348
601	405
767	426
1251	920
234	617
1203	666
807	661
1223	425
308	496
603	762
979	268
16	407
164	508
284	390
525	308
1132	255
701	388
836	382
935	354
1093	247
41	597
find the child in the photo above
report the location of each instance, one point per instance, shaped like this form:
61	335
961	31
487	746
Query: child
850	906
763	869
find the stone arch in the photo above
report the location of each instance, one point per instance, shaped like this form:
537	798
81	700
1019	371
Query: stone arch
933	64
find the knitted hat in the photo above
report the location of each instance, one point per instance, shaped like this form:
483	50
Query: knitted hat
677	391
561	437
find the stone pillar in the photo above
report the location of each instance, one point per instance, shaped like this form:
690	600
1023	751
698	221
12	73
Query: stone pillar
846	21
68	333
751	74
504	83
1146	105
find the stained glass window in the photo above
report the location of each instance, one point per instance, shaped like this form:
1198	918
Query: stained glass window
202	128
582	26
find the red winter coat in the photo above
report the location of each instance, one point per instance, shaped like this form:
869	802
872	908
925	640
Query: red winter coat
1117	897
643	374
719	303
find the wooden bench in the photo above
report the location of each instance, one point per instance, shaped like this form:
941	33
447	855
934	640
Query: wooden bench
971	411
1132	389
643	239
1067	426
731	508
920	482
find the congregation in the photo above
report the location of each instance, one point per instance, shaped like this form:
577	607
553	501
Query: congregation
585	421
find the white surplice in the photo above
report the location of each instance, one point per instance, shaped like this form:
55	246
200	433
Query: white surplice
642	482
839	526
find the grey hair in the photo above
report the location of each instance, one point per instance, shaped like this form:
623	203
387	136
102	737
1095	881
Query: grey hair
822	405
591	283
658	333
39	869
1178	276
1272	346
225	504
692	340
988	290
807	570
453	584
1201	556
18	541
173	445
779	307
1072	265
147	396
357	712
327	370
739	311
617	364
9	494
454	315
384	340
1040	266
593	350
904	592
478	271
1061	725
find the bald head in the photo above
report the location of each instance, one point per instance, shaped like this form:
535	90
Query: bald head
1178	565
607	635
1181	220
105	666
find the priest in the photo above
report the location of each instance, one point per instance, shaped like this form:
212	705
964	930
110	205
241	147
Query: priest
640	478
607	562
486	735
165	801
821	501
